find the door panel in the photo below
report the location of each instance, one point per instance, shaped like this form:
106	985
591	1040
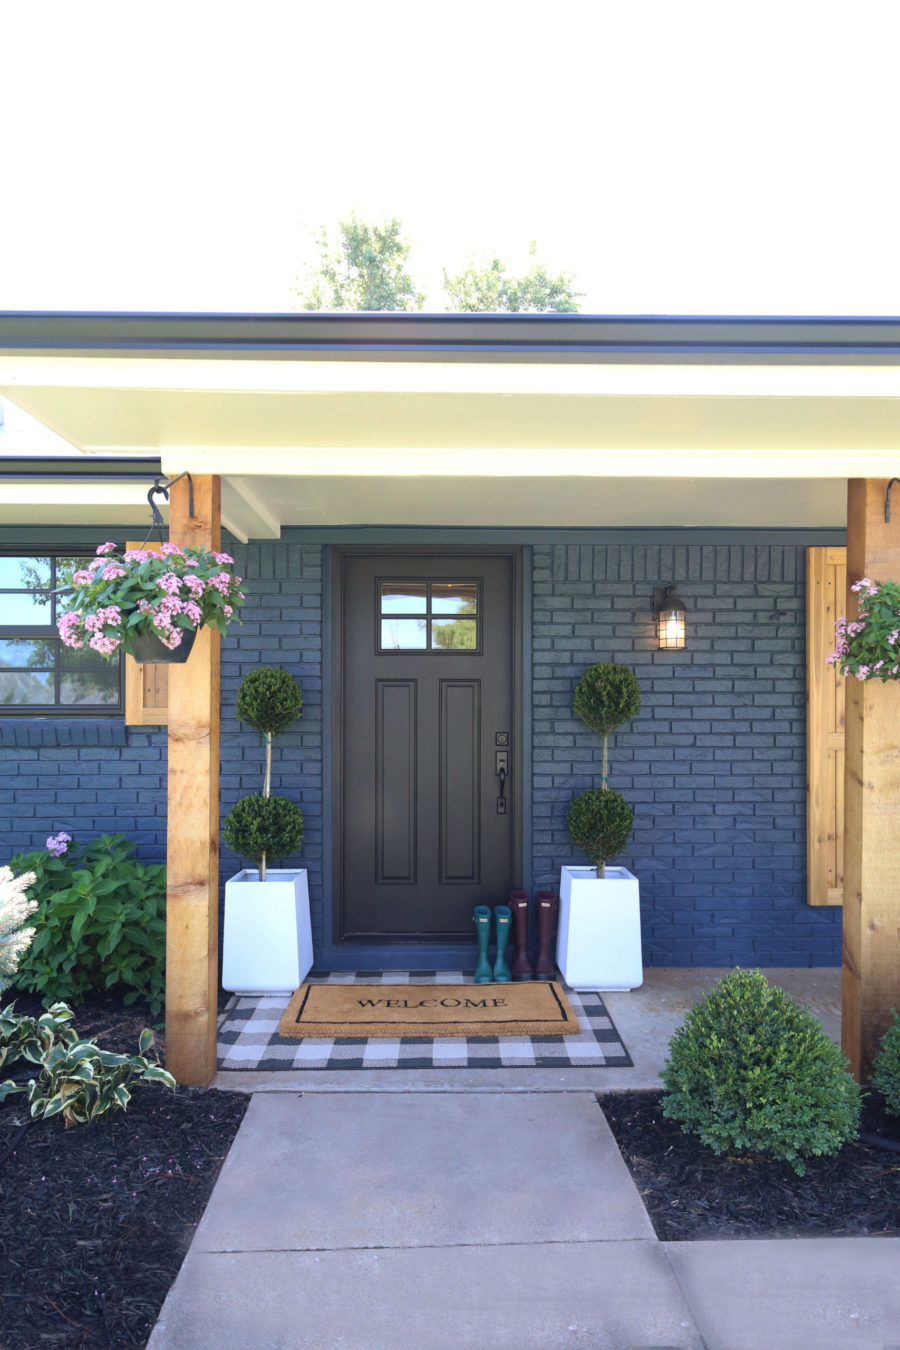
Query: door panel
426	664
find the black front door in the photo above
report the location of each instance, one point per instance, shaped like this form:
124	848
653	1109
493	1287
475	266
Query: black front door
426	767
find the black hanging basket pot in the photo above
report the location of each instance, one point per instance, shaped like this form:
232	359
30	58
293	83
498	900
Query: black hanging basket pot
148	650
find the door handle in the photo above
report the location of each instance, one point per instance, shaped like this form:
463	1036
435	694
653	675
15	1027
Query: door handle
502	768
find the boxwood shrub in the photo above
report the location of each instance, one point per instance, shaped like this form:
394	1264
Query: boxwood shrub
752	1072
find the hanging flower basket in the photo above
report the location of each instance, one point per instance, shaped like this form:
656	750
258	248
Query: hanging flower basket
150	650
869	647
161	594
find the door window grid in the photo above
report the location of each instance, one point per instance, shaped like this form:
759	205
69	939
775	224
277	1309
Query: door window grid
429	616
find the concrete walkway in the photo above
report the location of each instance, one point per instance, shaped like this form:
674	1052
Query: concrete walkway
373	1219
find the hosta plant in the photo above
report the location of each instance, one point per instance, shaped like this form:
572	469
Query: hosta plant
600	820
31	1038
99	922
752	1072
145	592
78	1080
869	647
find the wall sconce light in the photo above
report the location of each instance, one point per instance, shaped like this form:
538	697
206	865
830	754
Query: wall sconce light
669	614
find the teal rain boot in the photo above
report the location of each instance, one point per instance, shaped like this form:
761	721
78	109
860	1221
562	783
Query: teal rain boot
502	974
482	917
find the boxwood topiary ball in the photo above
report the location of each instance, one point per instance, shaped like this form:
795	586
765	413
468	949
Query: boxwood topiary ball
264	825
606	696
599	822
750	1071
269	699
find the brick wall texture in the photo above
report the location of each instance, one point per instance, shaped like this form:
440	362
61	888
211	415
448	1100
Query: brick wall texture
714	765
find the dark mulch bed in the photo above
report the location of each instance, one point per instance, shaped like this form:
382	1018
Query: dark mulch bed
692	1193
95	1220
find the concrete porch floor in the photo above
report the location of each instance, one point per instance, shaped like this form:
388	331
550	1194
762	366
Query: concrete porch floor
646	1018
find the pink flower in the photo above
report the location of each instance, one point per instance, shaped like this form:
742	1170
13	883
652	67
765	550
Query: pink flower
223	558
106	548
171	548
169	583
195	585
194	612
113	571
58	844
221	582
105	645
137	555
82	577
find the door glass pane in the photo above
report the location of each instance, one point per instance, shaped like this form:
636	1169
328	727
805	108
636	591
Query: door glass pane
25	686
403	635
23	609
448	597
25	574
454	634
403	597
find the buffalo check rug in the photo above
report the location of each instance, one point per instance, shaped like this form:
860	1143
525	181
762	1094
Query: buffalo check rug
249	1039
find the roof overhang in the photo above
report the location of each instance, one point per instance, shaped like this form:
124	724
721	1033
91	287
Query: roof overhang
475	419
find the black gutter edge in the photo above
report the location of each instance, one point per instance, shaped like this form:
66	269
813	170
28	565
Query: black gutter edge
62	467
562	337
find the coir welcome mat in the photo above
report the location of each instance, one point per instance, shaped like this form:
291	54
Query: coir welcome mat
431	1010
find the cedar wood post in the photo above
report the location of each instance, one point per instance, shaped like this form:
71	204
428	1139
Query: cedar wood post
192	899
871	951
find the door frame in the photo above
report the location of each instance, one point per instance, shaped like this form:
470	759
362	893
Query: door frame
421	955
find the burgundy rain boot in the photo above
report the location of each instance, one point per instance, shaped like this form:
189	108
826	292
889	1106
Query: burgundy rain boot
521	966
547	909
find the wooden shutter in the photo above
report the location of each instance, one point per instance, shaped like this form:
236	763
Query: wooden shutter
826	601
146	690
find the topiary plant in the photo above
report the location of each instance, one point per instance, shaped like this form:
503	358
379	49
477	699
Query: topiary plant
600	820
886	1067
262	827
750	1071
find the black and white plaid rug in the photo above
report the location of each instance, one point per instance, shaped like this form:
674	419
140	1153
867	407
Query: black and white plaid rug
248	1036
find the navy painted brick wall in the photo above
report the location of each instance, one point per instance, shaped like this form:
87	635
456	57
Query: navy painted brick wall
282	626
714	763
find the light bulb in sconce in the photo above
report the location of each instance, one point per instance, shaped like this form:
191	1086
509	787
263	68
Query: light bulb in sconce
670	618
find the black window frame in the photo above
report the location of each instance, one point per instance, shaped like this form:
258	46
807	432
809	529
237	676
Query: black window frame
49	632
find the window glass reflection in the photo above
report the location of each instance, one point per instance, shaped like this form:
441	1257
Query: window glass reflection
403	635
402	597
454	634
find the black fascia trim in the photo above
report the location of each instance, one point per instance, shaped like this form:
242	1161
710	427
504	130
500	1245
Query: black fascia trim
64	467
579	337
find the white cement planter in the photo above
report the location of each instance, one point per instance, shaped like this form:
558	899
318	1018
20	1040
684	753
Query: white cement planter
268	938
598	940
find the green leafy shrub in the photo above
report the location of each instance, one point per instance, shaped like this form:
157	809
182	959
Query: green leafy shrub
78	1080
264	827
599	822
750	1071
100	923
886	1067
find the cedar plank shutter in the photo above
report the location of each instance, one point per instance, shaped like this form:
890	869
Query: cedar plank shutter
826	601
146	689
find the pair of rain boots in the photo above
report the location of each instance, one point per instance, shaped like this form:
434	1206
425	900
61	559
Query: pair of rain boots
515	914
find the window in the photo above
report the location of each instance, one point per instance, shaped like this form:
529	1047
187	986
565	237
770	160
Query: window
37	672
421	616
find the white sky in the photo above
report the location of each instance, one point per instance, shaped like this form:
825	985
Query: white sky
679	156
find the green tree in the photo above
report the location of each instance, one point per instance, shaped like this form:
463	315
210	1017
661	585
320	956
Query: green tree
487	288
366	269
